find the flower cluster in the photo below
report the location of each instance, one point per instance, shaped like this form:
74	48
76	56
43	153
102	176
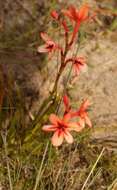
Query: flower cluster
77	17
62	126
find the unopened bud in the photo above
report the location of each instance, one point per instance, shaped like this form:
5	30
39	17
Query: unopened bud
55	15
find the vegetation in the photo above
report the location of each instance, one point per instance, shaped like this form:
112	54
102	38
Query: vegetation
28	160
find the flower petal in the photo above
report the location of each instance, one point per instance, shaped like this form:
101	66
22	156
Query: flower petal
49	128
54	119
76	69
83	13
88	121
57	138
45	37
75	127
85	105
73	11
66	117
82	122
68	137
42	49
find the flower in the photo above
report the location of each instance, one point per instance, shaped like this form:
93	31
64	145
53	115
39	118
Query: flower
82	113
49	47
78	16
61	128
78	63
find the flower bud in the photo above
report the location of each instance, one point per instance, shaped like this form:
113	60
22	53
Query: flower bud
55	15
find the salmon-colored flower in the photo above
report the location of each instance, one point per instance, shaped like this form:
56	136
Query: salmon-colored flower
78	63
61	128
78	16
82	113
49	47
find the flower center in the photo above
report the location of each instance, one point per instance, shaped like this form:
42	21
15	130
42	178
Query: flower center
50	46
77	62
62	126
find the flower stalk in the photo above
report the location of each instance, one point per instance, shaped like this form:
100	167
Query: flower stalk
62	126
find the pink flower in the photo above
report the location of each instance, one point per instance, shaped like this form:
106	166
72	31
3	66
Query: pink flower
49	47
78	16
78	63
82	113
61	129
